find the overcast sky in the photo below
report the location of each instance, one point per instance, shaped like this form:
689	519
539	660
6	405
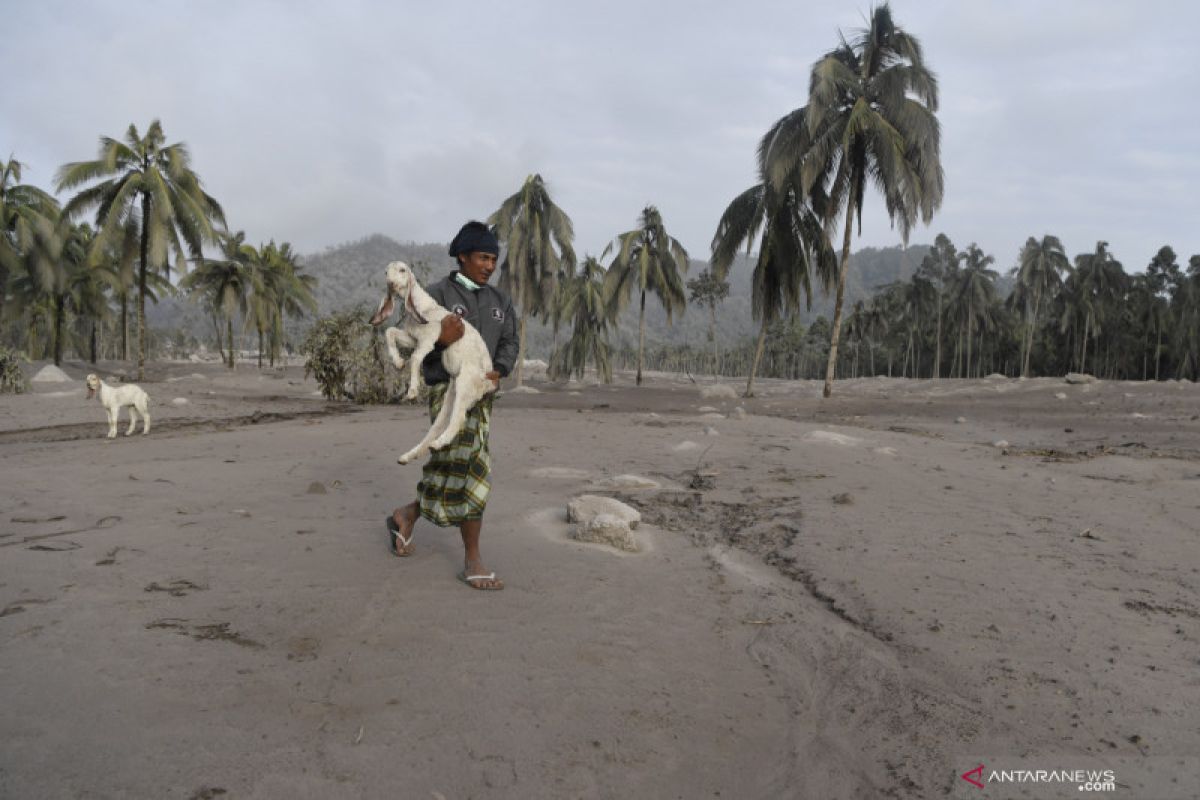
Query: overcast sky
320	123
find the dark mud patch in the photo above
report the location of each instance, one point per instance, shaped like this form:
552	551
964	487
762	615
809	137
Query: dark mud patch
766	529
1170	611
176	588
95	430
215	632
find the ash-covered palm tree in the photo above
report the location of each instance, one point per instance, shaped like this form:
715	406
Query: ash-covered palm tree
648	260
224	285
707	289
792	251
870	120
589	308
151	183
1101	279
1039	275
292	290
29	240
974	298
940	268
537	237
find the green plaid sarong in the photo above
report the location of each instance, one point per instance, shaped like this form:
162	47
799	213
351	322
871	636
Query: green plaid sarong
454	483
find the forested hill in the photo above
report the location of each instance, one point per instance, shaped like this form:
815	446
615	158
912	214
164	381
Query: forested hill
352	273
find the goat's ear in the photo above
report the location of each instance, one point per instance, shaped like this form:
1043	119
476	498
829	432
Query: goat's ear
386	307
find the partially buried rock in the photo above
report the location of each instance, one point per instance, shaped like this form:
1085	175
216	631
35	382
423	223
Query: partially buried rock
586	507
607	529
179	401
316	487
738	413
1079	377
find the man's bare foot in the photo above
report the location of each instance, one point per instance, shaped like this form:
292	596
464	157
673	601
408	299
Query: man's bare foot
403	520
478	576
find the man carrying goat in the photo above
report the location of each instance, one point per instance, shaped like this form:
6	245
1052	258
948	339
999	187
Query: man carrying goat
455	482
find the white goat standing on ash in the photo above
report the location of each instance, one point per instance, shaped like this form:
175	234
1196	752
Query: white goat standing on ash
467	360
113	398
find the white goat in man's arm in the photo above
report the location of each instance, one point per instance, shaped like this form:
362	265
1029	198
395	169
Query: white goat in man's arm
466	360
114	398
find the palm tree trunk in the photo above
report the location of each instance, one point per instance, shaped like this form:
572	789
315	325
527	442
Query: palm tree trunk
260	347
712	332
93	341
641	338
229	335
843	269
937	359
521	351
1037	301
125	325
1157	350
142	288
59	312
1087	321
758	351
970	326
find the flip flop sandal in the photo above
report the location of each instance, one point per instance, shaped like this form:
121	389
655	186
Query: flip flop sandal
394	537
491	576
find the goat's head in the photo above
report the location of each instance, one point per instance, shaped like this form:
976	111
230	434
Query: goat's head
400	281
93	385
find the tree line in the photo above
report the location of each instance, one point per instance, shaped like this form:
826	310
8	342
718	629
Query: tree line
869	122
69	285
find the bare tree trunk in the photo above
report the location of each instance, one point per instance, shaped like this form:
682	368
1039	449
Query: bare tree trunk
125	325
937	359
841	293
229	323
712	332
1157	350
758	351
1083	355
521	351
141	371
641	338
93	342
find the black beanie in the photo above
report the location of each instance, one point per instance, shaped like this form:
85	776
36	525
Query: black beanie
475	237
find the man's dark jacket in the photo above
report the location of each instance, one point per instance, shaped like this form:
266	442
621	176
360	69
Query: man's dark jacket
490	311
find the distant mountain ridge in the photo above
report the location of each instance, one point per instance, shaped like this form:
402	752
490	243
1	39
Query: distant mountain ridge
351	274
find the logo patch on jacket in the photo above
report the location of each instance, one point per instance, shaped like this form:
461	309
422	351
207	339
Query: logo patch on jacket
498	314
460	310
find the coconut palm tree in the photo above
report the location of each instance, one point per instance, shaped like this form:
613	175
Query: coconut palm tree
974	297
870	119
293	290
143	179
650	261
1039	275
29	240
940	268
792	250
590	309
1101	280
224	284
709	290
537	236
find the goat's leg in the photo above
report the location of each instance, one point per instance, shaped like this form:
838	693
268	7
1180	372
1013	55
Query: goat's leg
423	348
112	422
439	424
145	409
397	338
464	400
133	420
